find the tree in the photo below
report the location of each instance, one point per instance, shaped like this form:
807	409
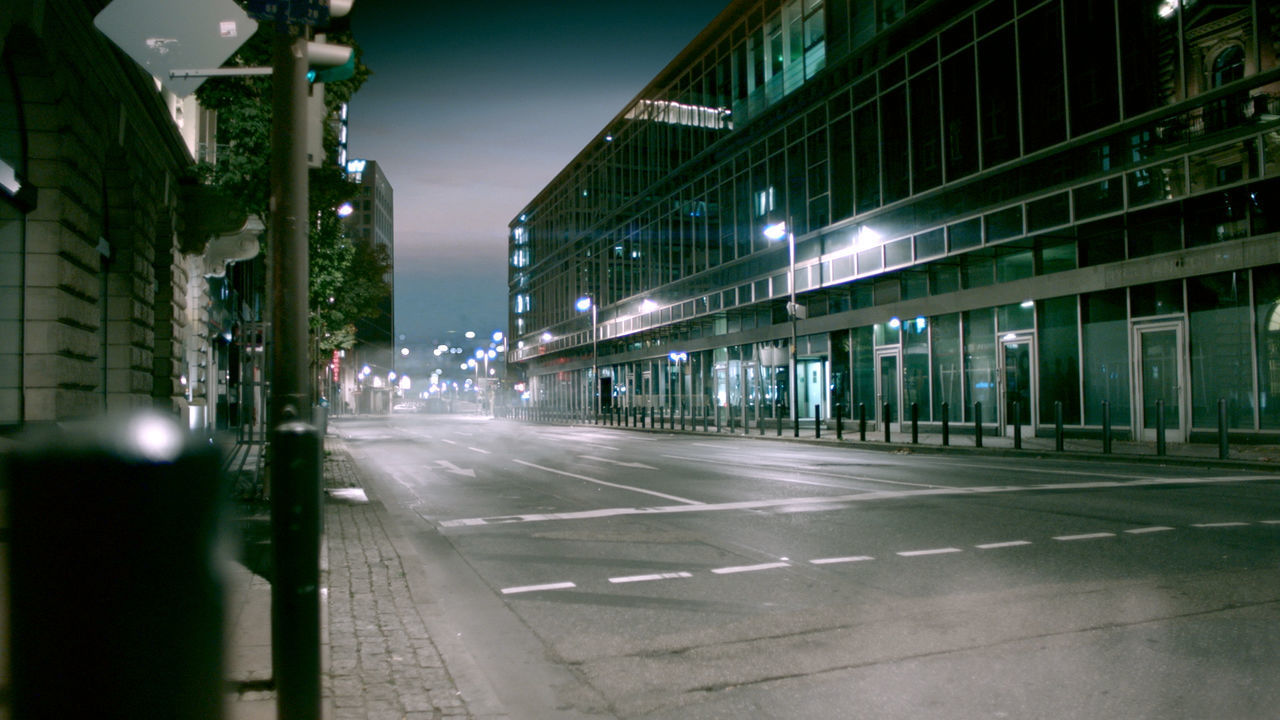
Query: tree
346	279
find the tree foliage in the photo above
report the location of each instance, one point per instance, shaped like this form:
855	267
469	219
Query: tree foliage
346	276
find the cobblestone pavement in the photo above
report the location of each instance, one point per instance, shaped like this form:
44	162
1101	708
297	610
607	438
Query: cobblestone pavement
382	663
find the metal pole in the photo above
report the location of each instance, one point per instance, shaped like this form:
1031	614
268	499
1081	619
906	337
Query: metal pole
862	422
839	424
1222	429
595	365
886	422
794	391
977	424
295	606
1017	425
1057	424
915	423
1106	428
817	421
1160	446
946	424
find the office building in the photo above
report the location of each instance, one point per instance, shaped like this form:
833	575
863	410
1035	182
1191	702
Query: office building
371	222
1014	208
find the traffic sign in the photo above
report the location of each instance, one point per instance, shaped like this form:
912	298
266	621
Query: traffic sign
164	35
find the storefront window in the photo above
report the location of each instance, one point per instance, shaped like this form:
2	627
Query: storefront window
980	362
1106	356
864	370
840	378
946	366
1220	345
915	366
1266	289
1059	359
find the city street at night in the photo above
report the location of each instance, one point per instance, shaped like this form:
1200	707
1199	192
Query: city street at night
587	571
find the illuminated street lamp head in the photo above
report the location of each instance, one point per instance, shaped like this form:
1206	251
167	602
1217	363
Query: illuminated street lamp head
546	337
345	210
479	352
648	306
365	370
777	231
497	336
583	304
404	352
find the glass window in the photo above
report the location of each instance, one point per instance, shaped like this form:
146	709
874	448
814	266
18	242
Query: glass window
1217	217
1221	343
895	147
1149	53
862	351
926	131
1013	263
977	270
915	367
1154	231
998	98
1091	64
1044	109
1161	298
1101	241
931	244
887	333
947	383
980	362
960	115
1017	316
1099	198
841	168
965	235
1155	184
1048	212
867	151
897	252
1265	214
1223	166
1055	254
841	380
1271	153
1105	333
944	278
1059	359
1266	290
1004	224
870	261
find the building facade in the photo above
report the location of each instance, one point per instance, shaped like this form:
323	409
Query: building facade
372	221
103	235
986	210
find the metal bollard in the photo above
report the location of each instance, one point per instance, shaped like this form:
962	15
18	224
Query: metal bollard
1017	425
977	424
1222	429
778	416
682	417
839	424
946	424
915	424
717	411
817	421
1106	428
1057	424
115	571
862	422
886	422
1160	443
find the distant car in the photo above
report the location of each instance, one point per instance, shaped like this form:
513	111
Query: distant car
406	407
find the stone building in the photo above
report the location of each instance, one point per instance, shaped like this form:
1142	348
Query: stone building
103	298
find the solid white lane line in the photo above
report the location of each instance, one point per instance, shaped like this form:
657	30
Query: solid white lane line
1271	522
934	551
808	471
486	452
655	493
1219	524
817	500
647	578
1086	536
749	568
1153	528
1010	543
847	559
536	588
446	440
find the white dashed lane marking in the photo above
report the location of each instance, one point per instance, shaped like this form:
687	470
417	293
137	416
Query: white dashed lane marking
932	551
1085	536
785	563
536	588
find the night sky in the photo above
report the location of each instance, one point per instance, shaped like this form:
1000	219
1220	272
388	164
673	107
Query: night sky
473	108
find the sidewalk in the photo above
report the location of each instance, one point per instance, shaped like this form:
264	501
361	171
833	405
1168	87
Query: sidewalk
378	661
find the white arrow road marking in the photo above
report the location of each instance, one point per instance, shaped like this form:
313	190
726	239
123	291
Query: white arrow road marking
687	501
642	466
450	467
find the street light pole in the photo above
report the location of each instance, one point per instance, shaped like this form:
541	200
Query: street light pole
775	232
584	302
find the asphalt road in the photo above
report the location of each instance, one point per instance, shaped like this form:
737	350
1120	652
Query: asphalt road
598	572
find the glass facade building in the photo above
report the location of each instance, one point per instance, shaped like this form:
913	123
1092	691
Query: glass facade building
1026	204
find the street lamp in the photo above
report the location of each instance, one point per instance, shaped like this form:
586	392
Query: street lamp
776	232
584	304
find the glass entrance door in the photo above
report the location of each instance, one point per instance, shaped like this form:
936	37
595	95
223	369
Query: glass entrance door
1018	383
811	387
889	386
1160	373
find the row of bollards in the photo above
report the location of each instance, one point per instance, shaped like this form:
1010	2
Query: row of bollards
650	417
